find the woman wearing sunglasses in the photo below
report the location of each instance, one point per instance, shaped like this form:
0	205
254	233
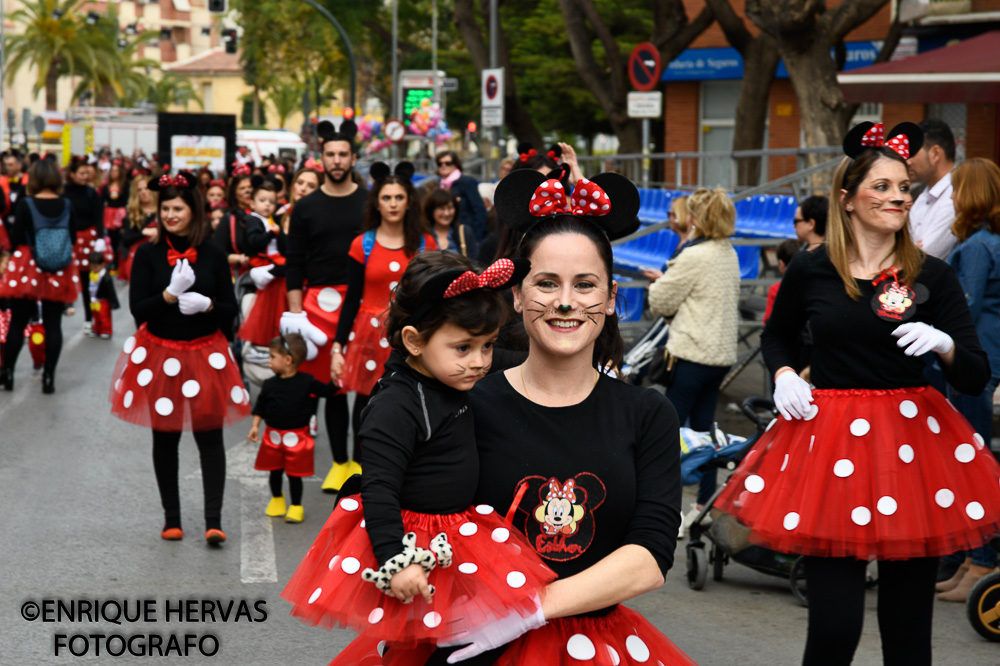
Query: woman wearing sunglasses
471	210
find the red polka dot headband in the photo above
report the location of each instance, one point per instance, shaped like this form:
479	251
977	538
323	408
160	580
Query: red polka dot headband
184	180
241	170
502	274
905	139
587	199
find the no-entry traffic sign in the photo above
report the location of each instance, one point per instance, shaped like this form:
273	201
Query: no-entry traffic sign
644	67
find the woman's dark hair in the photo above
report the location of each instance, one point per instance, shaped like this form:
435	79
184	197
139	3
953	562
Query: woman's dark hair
192	197
816	208
437	199
453	155
609	348
234	184
44	175
76	162
478	311
413	224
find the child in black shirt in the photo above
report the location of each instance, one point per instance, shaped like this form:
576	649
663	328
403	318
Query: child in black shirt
286	403
103	297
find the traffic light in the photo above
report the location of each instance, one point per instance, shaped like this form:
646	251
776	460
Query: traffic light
471	127
229	38
217	7
348	113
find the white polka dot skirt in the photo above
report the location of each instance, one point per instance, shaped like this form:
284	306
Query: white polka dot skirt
492	573
177	385
261	324
23	279
85	241
621	638
367	352
869	474
322	304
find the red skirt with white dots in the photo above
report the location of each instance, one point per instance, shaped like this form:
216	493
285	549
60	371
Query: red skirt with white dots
322	304
261	324
494	572
23	279
623	636
366	353
869	474
178	385
85	241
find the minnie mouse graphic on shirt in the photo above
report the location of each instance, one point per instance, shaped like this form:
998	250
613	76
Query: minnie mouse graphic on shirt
559	519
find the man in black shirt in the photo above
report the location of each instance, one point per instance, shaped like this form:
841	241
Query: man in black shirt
322	227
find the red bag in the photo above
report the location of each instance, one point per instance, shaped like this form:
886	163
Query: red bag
114	217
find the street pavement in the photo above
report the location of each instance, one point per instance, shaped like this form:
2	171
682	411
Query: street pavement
81	519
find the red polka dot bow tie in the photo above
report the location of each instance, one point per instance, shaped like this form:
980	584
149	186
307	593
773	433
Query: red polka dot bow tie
179	181
492	278
875	137
550	199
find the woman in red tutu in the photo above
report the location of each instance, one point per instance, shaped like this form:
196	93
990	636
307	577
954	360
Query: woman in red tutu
177	372
42	220
411	559
140	225
88	209
873	464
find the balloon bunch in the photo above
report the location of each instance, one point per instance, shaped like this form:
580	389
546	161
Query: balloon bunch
427	120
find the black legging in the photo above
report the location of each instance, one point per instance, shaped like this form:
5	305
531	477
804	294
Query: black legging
837	607
294	486
115	243
23	311
85	294
337	424
213	474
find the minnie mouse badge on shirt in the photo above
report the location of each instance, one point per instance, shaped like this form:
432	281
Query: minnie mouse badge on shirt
893	300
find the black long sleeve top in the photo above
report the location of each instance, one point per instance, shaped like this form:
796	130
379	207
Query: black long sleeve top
852	346
616	453
131	235
251	234
288	403
88	207
22	231
418	453
121	201
151	275
352	300
320	234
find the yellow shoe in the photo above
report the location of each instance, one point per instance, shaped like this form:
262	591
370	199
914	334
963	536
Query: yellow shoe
336	477
295	514
353	468
276	507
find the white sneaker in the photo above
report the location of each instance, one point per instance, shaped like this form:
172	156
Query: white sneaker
688	520
87	326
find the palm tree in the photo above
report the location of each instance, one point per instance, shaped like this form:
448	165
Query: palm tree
171	89
129	80
57	43
286	98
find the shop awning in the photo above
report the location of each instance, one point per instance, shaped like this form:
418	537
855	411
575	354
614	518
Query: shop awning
966	72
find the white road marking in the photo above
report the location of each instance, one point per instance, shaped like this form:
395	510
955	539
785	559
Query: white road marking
258	563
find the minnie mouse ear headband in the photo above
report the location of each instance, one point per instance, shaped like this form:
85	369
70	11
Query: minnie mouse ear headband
526	151
609	201
184	180
241	170
379	171
502	274
326	132
905	138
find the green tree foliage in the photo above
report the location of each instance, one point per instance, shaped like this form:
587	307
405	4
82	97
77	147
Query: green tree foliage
170	89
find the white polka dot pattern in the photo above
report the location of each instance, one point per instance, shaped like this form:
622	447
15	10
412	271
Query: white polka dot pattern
516	579
754	483
906	453
468	567
432	619
965	453
580	647
370	365
190	388
860	427
217	360
275	437
908	408
843	468
350	565
139	355
790	521
290	439
500	535
349	504
375	616
144	377
886	505
468	529
315	595
861	516
164	407
172	367
944	498
637	649
484	509
975	510
933	424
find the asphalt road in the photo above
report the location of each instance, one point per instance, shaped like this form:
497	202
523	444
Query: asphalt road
80	520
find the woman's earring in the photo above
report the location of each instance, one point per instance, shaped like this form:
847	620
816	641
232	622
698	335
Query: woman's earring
611	310
850	208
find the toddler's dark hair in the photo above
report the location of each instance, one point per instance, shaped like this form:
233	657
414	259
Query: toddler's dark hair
291	345
788	249
479	311
96	258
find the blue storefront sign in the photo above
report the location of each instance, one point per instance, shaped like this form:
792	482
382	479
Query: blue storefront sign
727	63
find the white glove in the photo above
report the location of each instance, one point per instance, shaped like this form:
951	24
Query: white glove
922	338
298	322
181	279
100	246
497	633
192	302
261	276
792	395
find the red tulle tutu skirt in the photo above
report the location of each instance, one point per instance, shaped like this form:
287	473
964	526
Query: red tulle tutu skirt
178	385
85	241
323	305
366	353
623	636
261	324
125	267
493	572
870	474
23	279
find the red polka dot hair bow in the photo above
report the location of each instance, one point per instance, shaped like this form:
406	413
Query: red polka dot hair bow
457	281
178	181
531	152
276	168
587	199
557	491
313	164
217	183
241	170
906	139
493	277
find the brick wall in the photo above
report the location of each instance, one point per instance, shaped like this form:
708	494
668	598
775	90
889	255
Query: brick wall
981	131
784	127
680	118
892	114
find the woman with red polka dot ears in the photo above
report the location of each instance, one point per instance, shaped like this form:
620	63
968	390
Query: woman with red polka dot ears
872	464
177	372
392	234
411	559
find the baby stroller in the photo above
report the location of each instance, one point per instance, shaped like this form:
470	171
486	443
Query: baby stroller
644	354
253	358
983	604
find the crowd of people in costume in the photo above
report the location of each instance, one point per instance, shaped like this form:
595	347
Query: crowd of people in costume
505	490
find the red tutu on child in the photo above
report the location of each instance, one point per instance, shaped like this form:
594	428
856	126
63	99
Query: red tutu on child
870	474
290	450
262	322
178	385
366	352
23	279
85	241
322	304
494	572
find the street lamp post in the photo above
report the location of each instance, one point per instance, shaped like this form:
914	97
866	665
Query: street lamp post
347	44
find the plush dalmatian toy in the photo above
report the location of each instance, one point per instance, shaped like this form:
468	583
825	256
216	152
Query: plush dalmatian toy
440	554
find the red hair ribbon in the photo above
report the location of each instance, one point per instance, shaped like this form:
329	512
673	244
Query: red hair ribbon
173	256
588	199
241	170
165	168
276	168
116	162
530	153
313	164
875	137
217	183
496	275
561	492
553	156
179	181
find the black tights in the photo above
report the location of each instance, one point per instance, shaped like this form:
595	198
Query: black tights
294	486
23	311
837	607
85	294
337	424
213	474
